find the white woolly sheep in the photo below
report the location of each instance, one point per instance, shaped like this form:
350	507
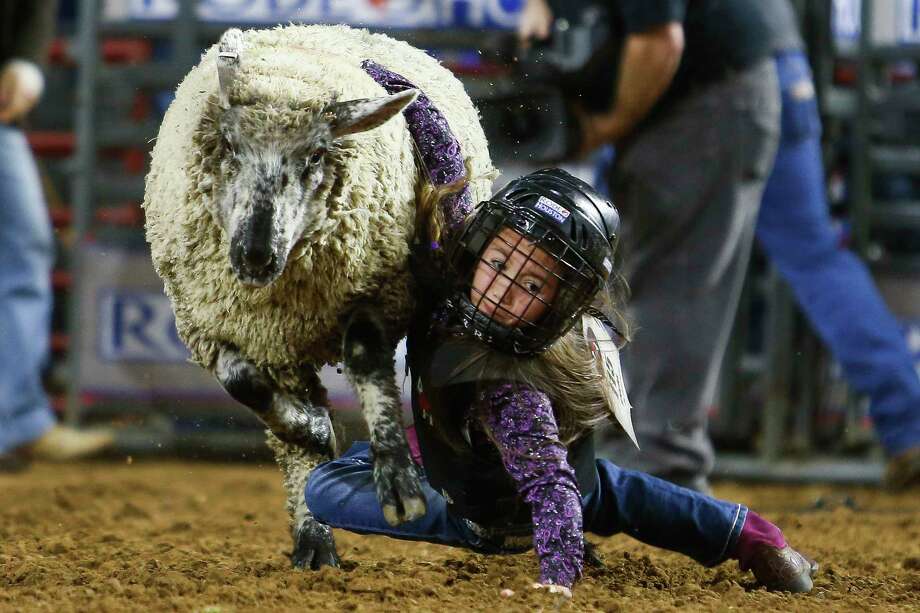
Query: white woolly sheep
280	211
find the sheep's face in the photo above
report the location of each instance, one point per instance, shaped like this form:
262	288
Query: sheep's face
277	170
272	178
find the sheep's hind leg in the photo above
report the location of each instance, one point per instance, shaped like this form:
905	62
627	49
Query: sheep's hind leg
370	368
301	436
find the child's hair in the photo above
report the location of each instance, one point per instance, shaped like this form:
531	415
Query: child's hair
429	216
567	371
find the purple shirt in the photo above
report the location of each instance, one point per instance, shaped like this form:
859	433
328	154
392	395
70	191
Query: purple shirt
520	421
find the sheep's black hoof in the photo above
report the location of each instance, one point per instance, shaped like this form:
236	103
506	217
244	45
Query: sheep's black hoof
592	556
399	488
314	547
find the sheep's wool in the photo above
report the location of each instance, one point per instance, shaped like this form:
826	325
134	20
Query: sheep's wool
357	252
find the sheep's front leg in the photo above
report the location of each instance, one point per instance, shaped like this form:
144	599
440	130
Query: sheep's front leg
370	368
304	439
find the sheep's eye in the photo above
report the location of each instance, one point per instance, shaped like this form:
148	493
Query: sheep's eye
284	180
317	157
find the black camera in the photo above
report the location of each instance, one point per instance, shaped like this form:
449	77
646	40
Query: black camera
531	116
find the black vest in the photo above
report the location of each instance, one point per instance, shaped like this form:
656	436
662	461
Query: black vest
468	473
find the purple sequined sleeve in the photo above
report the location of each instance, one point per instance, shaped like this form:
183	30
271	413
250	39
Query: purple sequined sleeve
521	422
435	144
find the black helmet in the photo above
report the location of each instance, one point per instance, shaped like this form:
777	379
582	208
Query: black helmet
547	241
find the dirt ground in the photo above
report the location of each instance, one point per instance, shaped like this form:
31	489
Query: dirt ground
212	538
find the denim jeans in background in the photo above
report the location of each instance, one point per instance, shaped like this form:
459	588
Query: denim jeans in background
341	494
833	287
26	256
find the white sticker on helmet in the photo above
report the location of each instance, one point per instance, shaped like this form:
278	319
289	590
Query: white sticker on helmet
545	205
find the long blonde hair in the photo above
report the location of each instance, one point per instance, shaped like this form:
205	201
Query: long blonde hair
429	216
566	372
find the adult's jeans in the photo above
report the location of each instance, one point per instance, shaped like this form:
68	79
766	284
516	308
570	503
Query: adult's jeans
832	286
26	255
341	494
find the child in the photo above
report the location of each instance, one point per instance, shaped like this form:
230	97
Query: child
506	391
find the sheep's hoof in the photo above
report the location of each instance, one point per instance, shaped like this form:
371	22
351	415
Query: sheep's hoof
592	556
314	547
399	489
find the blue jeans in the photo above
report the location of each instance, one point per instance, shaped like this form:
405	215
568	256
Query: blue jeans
26	255
832	286
341	493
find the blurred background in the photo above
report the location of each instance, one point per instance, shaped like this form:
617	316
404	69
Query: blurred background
784	411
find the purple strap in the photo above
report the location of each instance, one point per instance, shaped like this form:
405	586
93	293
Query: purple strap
756	532
436	145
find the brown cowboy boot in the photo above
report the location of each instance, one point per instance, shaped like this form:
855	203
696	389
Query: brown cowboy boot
783	570
59	444
63	443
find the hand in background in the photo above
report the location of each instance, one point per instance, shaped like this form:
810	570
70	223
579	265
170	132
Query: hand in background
21	85
535	23
592	134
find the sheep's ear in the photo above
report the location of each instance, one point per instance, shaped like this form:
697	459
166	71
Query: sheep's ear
229	54
352	116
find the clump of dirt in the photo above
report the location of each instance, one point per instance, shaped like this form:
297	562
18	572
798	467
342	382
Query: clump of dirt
213	538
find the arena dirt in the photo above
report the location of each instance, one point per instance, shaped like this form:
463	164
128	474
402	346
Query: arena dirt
161	536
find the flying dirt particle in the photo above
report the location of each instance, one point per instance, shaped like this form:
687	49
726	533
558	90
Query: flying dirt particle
63	501
132	511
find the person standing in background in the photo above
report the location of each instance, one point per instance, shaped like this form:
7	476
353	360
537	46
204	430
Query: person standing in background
27	425
694	113
832	286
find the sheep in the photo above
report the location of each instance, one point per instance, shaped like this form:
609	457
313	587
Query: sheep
280	212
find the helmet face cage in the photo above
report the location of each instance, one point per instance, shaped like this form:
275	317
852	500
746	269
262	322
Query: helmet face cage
533	293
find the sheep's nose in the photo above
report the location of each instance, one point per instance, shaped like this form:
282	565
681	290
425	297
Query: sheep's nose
258	256
256	238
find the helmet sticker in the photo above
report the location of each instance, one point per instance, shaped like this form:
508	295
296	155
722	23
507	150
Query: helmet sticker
547	206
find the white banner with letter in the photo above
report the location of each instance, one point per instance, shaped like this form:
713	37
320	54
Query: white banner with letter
367	13
129	347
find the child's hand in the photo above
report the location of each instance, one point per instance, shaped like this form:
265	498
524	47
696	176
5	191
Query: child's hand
554	589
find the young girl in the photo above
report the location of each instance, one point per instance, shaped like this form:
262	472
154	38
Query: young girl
506	390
